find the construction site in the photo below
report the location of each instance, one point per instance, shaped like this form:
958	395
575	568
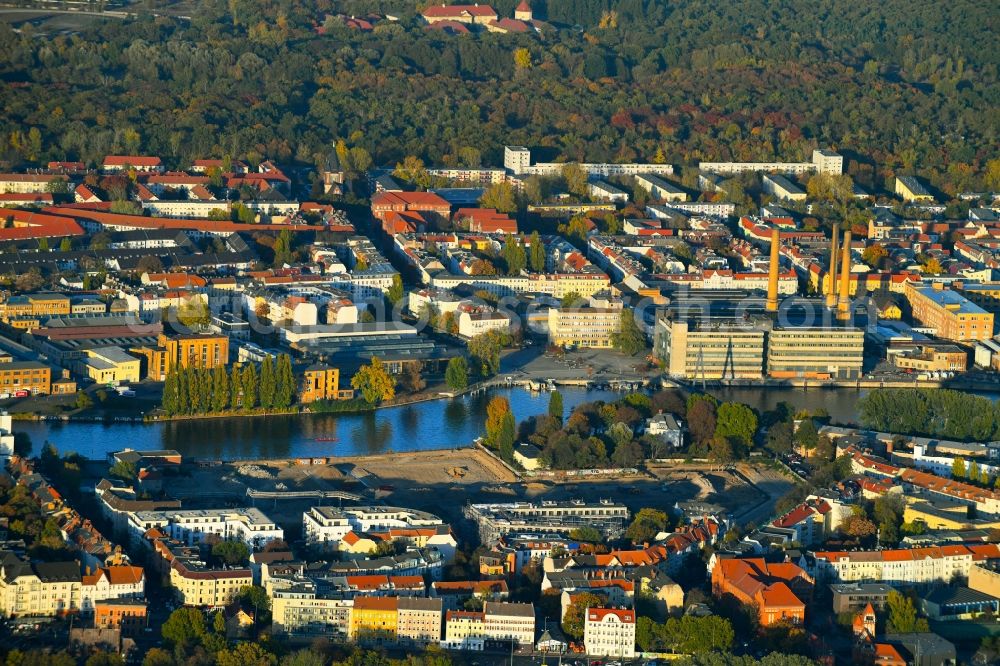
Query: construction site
443	482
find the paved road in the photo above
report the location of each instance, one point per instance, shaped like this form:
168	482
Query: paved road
606	365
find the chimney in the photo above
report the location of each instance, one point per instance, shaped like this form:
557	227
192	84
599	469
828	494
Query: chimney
831	287
843	302
772	274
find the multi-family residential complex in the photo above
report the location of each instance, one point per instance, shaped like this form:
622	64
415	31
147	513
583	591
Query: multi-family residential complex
949	313
823	161
249	525
609	632
495	520
900	567
329	526
589	328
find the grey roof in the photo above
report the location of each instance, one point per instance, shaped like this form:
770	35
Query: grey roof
419	603
510	609
948	596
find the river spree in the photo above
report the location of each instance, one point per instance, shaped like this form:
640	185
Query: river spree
437	424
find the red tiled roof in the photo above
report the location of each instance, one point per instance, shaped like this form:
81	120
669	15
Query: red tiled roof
131	160
598	614
97	215
375	603
26	197
29	224
445	11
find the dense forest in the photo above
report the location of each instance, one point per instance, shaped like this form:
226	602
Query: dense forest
898	86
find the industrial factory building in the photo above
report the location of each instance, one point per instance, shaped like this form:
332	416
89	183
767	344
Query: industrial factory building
739	339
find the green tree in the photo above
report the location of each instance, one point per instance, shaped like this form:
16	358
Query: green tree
629	338
736	422
500	427
184	628
903	615
499	196
374	382
807	436
485	351
285	388
395	293
412	169
571	300
124	470
556	405
536	256
514	255
456	375
576	179
158	657
245	654
572	624
586	534
220	389
249	386
646	525
958	468
83	400
231	551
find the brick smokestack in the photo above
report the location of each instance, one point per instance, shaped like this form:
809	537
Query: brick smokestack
831	287
843	302
772	273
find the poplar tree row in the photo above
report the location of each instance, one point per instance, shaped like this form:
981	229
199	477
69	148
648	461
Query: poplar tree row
202	390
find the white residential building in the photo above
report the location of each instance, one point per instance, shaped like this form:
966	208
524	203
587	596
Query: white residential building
506	621
117	582
248	525
327	525
471	324
660	189
609	632
902	567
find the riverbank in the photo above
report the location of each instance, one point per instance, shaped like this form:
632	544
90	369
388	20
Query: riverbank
957	383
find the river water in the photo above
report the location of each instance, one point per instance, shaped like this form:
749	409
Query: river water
436	424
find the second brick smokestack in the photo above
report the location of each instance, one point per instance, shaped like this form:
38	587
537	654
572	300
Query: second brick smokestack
844	297
772	273
831	287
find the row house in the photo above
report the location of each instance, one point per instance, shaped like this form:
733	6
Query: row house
899	567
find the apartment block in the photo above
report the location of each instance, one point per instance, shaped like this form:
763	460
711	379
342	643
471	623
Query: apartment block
506	621
43	589
303	611
495	520
249	525
815	353
950	314
901	567
196	584
185	351
327	526
660	189
710	350
322	382
590	328
419	621
30	376
375	620
609	632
